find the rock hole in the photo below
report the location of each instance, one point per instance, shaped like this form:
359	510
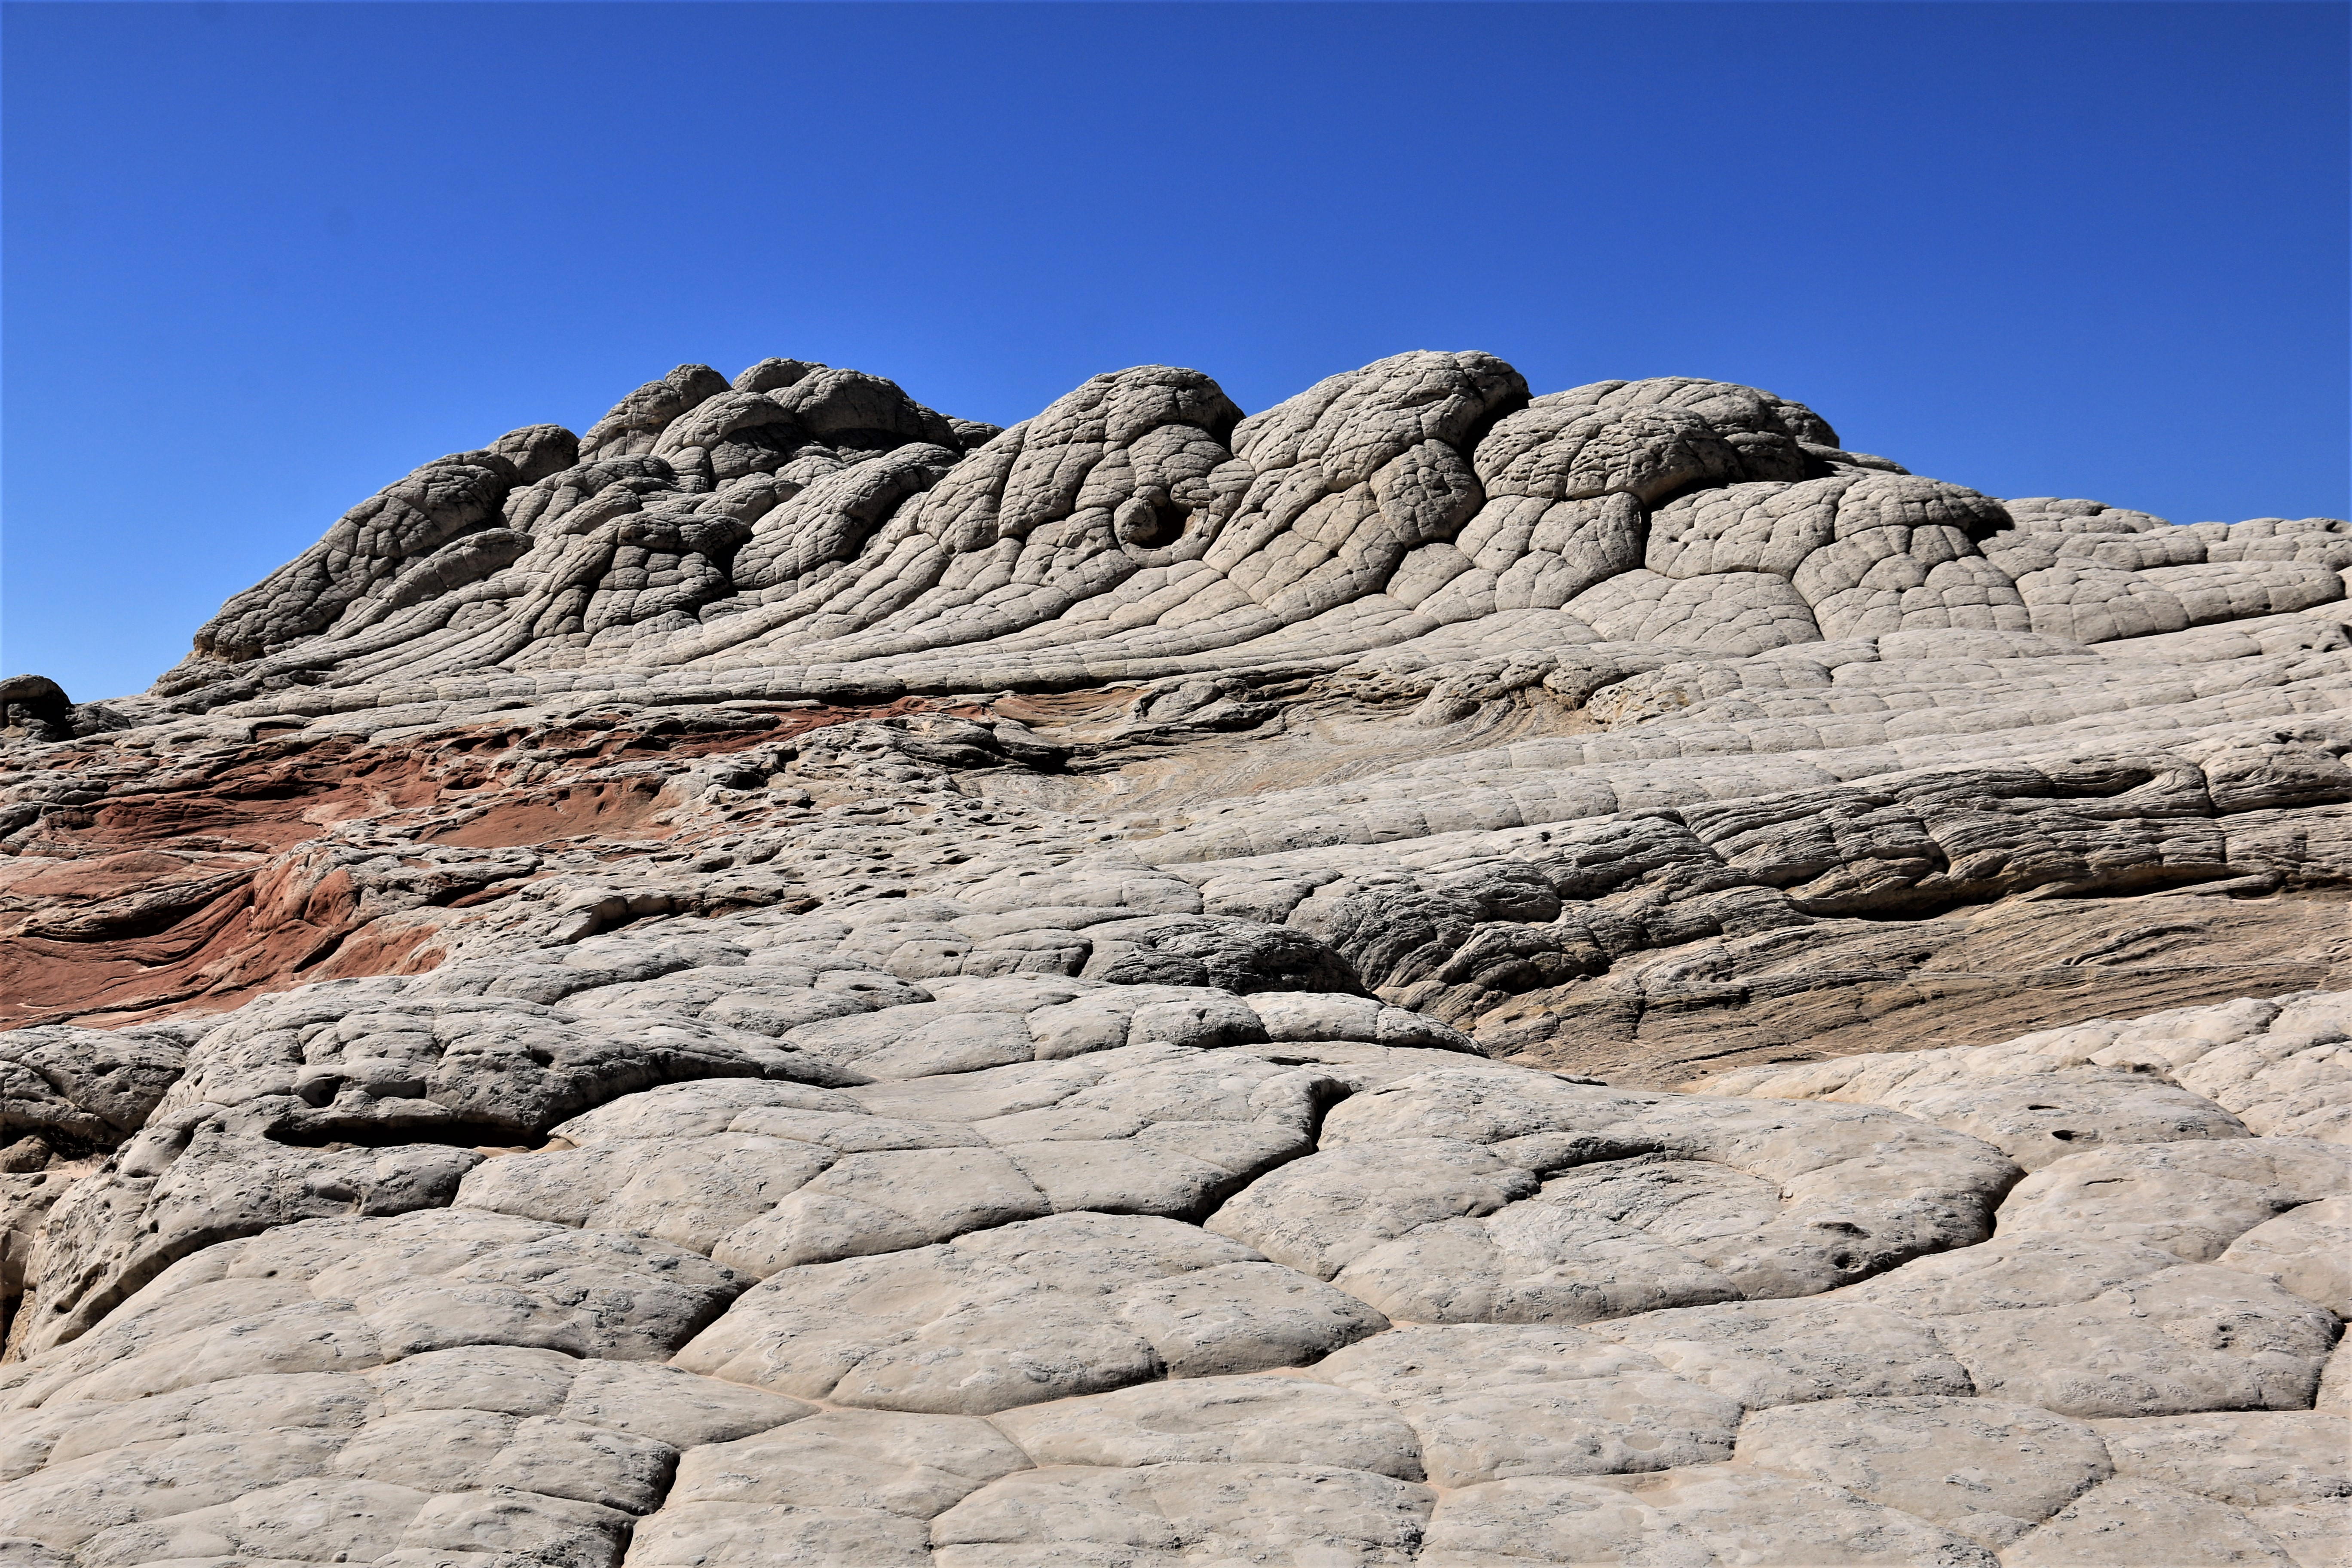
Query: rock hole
1152	520
1167	521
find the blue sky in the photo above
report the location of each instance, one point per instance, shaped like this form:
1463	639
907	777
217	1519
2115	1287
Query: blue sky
259	261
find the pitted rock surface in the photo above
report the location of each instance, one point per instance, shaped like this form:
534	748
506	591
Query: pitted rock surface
1432	975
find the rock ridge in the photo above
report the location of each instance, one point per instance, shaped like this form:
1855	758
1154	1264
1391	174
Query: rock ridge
1434	975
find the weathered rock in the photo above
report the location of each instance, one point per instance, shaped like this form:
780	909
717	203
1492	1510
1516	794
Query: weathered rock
1706	1512
2212	1193
1044	1309
1489	1402
2309	1250
797	980
2105	1329
1219	1420
1183	1513
1987	1470
2132	1521
1652	1202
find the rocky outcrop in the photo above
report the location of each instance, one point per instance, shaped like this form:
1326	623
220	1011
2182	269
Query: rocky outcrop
1428	975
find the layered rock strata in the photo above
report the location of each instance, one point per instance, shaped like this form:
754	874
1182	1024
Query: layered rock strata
1431	975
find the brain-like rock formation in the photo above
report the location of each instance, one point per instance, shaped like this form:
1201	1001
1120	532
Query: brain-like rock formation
1430	976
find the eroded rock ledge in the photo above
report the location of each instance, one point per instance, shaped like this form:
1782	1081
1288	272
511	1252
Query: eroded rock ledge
1430	976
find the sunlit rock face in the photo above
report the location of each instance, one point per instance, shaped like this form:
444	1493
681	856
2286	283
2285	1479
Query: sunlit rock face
1433	975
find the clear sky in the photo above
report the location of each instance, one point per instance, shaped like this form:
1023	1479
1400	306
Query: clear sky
262	260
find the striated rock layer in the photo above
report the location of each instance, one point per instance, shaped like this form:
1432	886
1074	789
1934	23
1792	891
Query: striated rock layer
1430	976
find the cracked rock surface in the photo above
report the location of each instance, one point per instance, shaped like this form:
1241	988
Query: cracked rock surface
1433	975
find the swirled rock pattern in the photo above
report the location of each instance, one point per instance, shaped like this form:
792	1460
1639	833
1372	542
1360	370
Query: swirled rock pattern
1430	976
